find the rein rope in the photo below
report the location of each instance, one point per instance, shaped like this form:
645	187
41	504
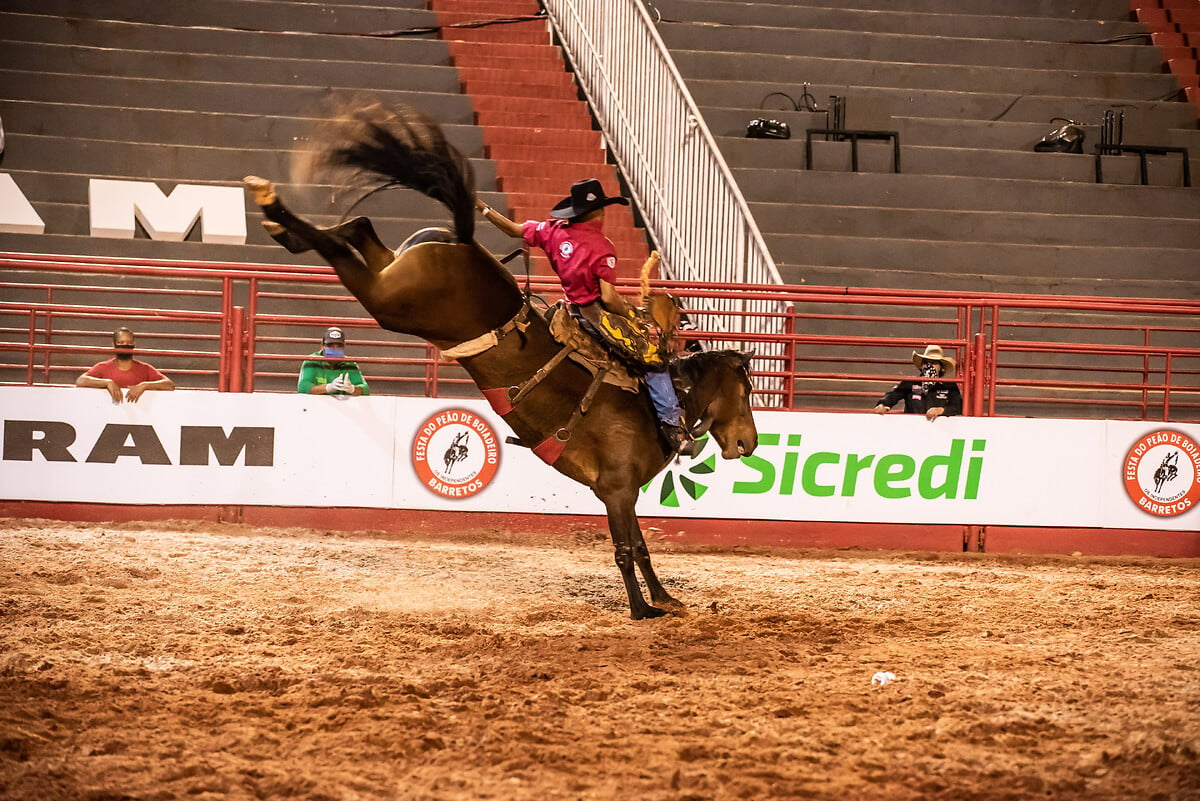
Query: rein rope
524	251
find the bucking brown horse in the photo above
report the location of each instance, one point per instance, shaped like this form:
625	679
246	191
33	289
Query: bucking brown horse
442	286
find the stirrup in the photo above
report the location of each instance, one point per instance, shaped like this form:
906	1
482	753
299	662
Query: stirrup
678	440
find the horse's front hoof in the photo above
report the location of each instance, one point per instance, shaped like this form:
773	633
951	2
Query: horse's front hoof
647	613
262	189
672	604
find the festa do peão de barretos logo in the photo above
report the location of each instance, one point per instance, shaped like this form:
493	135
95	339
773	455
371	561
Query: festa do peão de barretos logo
455	453
1162	473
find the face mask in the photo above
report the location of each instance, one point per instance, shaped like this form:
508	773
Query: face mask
335	353
930	370
124	352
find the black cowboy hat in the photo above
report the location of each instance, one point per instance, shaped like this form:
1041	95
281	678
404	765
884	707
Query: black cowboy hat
586	196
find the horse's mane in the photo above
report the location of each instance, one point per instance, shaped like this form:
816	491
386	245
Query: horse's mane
376	147
697	364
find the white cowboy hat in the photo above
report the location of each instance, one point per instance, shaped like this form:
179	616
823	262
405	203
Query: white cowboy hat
933	353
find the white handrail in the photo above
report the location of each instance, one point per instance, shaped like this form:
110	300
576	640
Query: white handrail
687	194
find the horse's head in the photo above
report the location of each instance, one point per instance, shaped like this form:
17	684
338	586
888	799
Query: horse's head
718	399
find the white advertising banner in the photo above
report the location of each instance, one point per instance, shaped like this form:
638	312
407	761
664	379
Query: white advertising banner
185	447
67	444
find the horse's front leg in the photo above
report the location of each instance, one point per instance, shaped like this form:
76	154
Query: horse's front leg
623	527
641	555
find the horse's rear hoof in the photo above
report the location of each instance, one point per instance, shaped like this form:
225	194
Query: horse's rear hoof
262	189
647	613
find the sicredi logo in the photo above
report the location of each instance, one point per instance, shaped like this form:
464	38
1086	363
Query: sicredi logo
1162	473
953	475
455	453
782	467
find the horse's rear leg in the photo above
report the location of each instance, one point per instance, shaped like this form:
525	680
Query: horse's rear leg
346	262
623	526
298	235
361	235
358	232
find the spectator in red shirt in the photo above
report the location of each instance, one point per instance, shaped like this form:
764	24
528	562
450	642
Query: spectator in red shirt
123	372
585	261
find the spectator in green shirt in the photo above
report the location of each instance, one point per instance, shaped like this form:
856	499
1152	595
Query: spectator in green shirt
330	374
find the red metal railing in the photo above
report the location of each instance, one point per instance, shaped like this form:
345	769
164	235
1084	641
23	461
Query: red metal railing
246	327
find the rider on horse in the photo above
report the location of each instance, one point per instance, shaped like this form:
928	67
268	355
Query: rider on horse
585	260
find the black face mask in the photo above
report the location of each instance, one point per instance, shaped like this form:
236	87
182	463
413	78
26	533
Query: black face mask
930	370
124	352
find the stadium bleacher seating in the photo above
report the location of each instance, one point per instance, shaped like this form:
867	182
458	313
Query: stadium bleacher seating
970	91
139	90
205	94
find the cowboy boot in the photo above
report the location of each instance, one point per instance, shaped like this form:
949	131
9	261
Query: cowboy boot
677	439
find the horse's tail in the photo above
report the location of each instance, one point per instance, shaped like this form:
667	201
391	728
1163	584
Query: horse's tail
383	148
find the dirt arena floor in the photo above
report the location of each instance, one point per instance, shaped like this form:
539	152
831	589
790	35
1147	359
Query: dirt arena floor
200	661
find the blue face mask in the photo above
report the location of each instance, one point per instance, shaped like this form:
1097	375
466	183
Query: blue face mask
334	353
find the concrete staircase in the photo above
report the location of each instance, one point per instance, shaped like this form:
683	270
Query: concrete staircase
970	91
536	128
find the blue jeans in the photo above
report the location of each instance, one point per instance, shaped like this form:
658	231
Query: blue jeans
662	394
658	384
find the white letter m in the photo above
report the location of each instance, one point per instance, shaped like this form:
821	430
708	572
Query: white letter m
115	204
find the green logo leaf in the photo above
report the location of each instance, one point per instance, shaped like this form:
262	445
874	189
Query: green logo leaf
692	488
666	495
674	478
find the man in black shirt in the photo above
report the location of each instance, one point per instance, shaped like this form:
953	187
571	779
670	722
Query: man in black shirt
927	396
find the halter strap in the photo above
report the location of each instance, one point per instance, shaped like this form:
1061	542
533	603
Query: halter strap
485	342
